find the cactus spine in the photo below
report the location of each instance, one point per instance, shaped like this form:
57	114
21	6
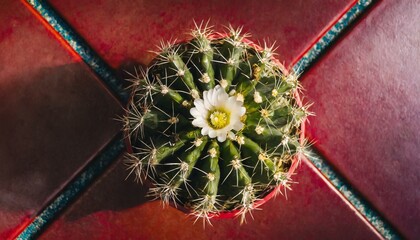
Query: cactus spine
214	123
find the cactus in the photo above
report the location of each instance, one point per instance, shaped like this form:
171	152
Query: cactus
214	123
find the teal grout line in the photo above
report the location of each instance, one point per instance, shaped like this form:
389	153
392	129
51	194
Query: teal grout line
330	36
100	163
364	208
80	183
89	56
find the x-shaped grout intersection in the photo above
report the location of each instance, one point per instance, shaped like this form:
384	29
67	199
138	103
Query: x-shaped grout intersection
115	147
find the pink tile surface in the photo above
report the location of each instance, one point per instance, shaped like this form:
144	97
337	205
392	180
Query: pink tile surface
366	94
54	114
126	30
117	209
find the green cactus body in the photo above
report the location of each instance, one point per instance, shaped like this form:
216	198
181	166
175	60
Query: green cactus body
214	124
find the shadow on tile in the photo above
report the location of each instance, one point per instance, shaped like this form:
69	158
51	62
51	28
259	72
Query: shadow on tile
52	121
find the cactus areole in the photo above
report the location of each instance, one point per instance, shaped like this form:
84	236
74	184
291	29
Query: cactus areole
216	124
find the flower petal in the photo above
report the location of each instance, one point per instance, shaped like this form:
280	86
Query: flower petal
199	122
212	133
207	103
242	111
222	97
199	105
204	130
214	95
231	135
195	113
237	126
221	137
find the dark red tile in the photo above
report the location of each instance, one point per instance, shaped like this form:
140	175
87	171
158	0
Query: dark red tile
117	209
126	30
366	98
54	114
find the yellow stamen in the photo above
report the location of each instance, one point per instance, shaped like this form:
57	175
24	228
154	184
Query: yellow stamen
219	119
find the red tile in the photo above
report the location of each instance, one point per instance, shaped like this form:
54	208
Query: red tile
366	95
117	209
54	114
126	30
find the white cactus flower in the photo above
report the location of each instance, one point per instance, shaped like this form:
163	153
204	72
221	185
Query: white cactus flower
217	114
